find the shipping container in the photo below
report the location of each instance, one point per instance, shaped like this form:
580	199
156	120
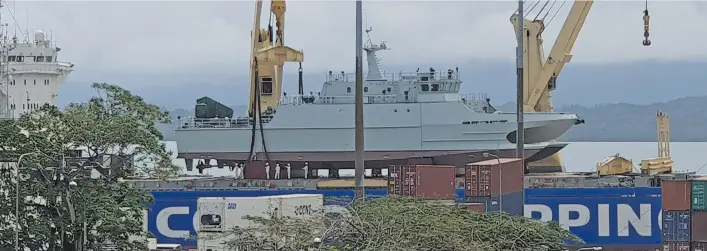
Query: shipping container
219	215
621	247
434	182
256	170
699	194
699	226
610	216
512	203
494	177
677	195
676	246
478	207
676	226
699	246
173	216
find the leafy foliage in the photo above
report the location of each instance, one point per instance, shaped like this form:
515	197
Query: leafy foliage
402	224
62	198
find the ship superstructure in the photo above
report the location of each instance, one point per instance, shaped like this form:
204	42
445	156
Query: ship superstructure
31	74
411	117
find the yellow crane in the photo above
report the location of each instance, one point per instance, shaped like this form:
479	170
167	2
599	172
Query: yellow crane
540	73
267	60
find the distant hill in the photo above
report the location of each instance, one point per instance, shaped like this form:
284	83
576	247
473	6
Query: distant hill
636	123
603	123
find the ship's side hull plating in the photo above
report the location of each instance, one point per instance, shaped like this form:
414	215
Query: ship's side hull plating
321	133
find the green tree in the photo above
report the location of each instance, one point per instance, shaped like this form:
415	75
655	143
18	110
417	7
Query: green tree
66	200
402	224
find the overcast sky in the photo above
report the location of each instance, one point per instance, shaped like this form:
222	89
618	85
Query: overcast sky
163	37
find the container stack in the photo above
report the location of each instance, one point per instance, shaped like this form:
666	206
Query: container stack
428	182
496	183
699	214
677	215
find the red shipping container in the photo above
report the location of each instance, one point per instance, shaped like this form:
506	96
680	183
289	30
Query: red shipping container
699	226
677	195
433	182
676	246
256	170
494	177
478	207
699	246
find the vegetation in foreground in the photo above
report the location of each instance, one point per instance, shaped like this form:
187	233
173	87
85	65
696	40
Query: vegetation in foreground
60	201
402	224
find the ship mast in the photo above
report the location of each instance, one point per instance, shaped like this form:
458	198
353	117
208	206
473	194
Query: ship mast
374	68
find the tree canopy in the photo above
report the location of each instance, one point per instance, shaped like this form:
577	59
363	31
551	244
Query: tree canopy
64	197
402	224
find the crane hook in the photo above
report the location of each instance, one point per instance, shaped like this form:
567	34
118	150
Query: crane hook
646	27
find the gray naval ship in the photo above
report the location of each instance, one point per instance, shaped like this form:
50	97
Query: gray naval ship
410	118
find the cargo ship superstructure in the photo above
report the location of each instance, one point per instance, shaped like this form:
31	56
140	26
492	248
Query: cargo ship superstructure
31	74
410	117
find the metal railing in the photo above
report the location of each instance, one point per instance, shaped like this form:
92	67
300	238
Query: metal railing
466	97
410	76
368	99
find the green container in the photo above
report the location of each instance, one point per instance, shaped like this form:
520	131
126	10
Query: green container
699	195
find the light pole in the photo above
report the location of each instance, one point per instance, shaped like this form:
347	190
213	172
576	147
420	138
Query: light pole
500	179
358	120
17	199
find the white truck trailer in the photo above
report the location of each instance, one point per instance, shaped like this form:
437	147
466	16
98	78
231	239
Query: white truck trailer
218	216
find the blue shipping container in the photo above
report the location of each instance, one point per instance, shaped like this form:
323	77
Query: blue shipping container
625	222
676	226
601	216
512	203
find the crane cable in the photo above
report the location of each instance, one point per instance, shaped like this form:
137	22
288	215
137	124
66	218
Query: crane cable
646	26
251	155
554	15
541	10
549	10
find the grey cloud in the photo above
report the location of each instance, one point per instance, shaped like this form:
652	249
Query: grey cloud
212	37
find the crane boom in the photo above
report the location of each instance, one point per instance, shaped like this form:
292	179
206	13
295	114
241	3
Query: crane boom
268	59
540	74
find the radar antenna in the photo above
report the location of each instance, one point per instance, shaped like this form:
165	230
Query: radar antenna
374	68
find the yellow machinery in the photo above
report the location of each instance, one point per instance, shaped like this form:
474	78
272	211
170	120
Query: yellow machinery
540	74
663	163
615	165
267	60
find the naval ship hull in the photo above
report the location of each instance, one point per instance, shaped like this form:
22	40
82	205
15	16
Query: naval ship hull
323	136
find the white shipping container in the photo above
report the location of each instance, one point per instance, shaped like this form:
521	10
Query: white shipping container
219	215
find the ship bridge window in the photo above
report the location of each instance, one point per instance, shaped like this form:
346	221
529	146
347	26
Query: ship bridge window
425	87
39	59
348	89
365	89
266	86
435	87
11	58
29	58
20	59
49	59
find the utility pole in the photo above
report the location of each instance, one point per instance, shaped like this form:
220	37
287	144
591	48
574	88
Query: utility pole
520	134
360	169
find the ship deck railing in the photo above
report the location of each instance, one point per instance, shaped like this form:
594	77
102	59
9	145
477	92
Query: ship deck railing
371	99
367	99
471	100
401	76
